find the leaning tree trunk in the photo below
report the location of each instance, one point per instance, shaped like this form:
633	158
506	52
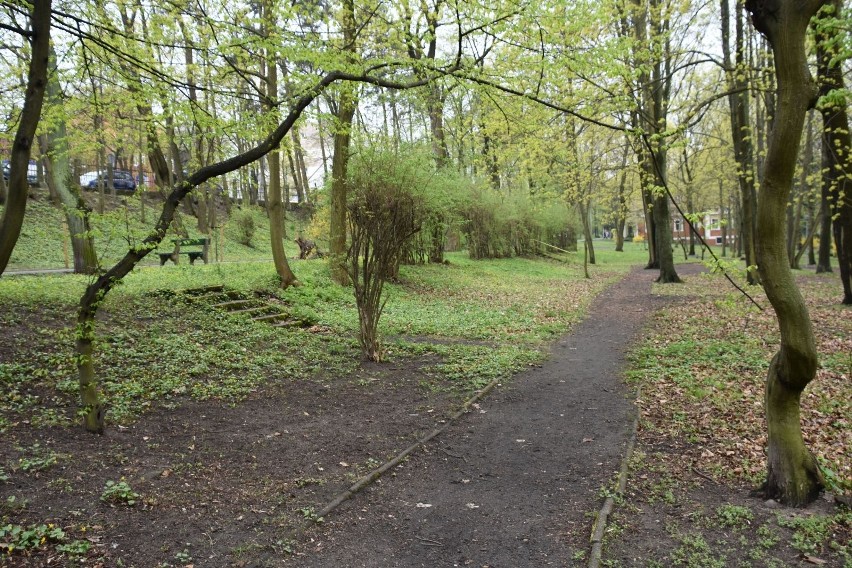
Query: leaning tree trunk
18	188
793	476
96	292
54	146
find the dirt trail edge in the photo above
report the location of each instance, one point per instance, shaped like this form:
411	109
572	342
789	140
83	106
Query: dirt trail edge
511	483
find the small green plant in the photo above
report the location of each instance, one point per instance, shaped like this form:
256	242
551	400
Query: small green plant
39	459
694	552
18	537
311	514
305	481
734	516
767	538
12	504
833	482
183	557
119	493
809	532
74	548
285	545
4	477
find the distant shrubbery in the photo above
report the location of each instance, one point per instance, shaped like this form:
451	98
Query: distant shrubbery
244	227
455	210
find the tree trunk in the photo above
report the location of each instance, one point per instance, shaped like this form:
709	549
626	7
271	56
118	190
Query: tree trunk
738	103
793	476
301	167
339	166
54	146
722	223
18	188
824	251
620	217
587	230
340	160
274	202
3	190
836	187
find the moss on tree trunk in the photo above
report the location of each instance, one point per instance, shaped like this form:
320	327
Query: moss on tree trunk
792	474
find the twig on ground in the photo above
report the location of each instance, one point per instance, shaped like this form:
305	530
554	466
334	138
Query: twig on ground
698	472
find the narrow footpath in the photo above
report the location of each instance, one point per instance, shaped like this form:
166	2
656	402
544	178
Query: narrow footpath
514	482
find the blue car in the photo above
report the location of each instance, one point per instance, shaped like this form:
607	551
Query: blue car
122	181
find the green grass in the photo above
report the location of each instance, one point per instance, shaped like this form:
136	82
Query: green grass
478	320
44	240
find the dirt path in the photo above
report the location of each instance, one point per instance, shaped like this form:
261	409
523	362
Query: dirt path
512	483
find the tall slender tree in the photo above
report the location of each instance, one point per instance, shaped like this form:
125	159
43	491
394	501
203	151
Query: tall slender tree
836	156
18	187
342	134
741	135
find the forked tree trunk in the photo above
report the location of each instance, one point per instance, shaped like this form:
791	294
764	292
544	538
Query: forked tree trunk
793	476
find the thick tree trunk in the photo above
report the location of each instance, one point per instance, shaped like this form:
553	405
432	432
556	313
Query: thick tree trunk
435	103
18	188
793	476
339	164
663	241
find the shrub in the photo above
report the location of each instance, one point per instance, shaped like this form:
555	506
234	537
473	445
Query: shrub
385	211
245	227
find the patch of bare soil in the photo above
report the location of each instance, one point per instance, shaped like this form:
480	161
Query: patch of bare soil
514	481
511	483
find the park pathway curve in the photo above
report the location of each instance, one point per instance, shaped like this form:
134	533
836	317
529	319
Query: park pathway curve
513	482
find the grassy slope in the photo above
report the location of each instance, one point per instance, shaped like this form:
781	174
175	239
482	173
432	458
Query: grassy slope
147	333
44	241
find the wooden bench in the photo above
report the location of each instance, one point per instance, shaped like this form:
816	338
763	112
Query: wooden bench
192	254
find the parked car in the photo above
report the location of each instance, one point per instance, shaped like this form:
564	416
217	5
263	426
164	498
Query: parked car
122	180
32	172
